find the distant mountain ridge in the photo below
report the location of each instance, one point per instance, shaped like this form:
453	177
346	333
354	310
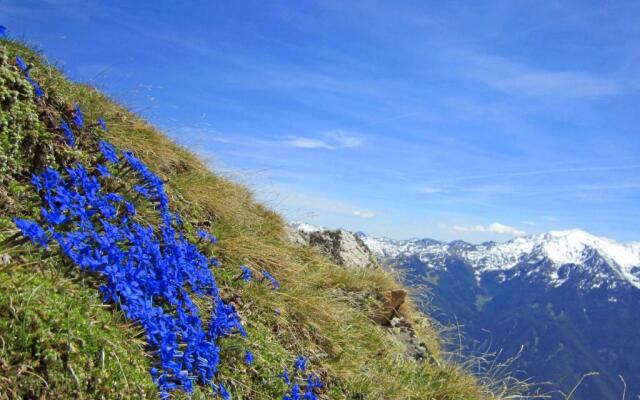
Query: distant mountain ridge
558	247
570	298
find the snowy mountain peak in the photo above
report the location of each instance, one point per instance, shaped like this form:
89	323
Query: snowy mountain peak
561	247
568	246
564	247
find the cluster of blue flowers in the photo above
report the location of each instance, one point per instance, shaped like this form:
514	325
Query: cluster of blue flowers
154	274
25	72
78	119
206	236
248	358
274	284
296	391
32	231
108	151
66	131
246	273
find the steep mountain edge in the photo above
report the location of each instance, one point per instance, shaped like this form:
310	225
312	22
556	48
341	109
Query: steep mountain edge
60	341
346	249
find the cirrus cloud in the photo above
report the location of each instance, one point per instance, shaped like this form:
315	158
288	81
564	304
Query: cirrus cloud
495	227
332	140
363	214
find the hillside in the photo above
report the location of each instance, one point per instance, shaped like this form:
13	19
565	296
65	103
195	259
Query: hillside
58	339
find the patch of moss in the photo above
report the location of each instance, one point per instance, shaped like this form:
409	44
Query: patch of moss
59	340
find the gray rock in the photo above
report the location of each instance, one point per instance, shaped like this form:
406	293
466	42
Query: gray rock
296	236
403	331
341	246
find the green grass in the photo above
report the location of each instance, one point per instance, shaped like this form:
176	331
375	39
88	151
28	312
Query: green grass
57	340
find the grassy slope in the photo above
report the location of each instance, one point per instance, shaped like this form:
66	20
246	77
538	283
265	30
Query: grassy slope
58	340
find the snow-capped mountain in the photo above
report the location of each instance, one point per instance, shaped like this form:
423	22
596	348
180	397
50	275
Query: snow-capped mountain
304	227
570	299
558	248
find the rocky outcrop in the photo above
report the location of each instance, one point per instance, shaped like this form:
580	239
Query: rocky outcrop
404	332
393	299
341	246
348	249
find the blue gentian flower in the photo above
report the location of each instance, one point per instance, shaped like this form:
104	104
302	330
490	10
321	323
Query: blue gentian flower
177	220
248	358
206	235
108	151
294	393
36	88
224	320
143	191
32	231
20	64
102	124
77	116
309	394
300	364
223	392
36	182
285	376
53	217
67	133
313	381
246	273
131	210
103	170
274	284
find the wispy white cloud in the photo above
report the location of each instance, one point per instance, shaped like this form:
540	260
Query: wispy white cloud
495	227
364	214
300	204
550	171
306	143
430	190
332	140
520	79
343	139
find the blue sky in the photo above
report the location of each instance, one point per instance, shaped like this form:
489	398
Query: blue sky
451	120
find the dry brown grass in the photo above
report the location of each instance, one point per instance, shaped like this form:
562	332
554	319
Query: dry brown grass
322	310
